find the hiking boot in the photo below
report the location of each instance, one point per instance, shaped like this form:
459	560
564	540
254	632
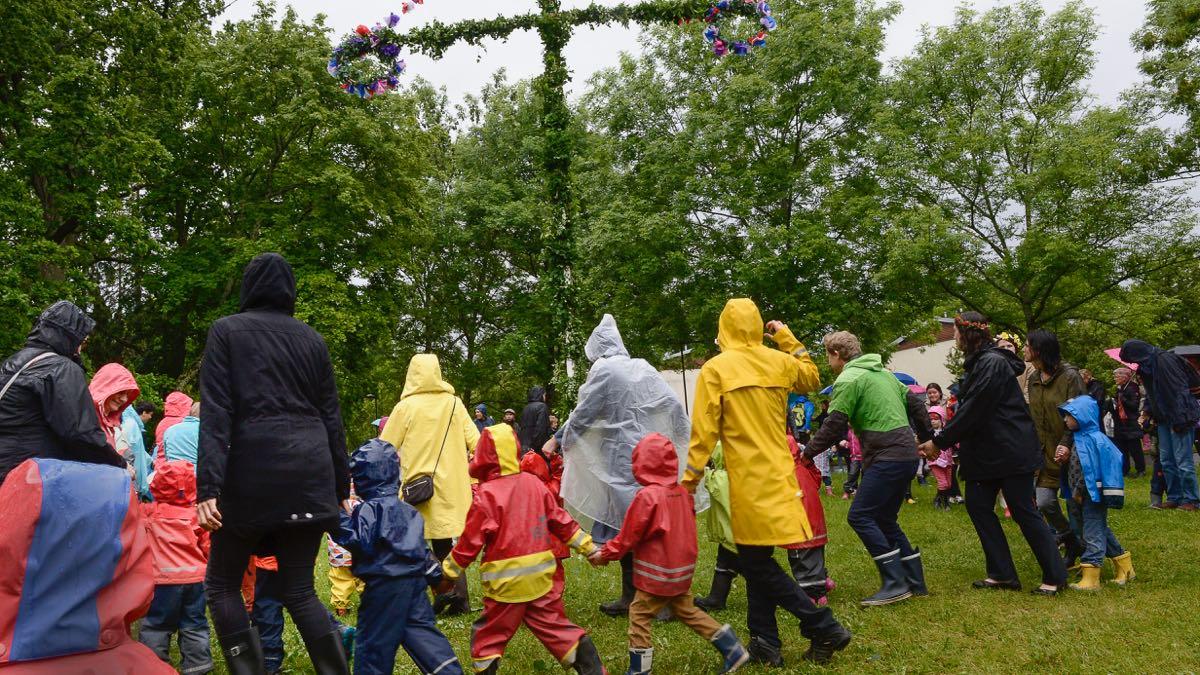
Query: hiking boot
822	649
761	651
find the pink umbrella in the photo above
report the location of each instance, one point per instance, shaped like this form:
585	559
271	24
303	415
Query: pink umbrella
1115	355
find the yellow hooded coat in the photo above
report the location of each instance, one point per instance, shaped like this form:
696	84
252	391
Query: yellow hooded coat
429	411
741	401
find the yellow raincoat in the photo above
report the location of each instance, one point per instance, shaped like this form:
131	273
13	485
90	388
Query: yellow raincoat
429	411
741	400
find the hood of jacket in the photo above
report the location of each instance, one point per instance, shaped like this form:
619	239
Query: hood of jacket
605	341
1142	353
61	328
534	463
269	284
425	377
174	483
178	404
655	461
537	394
866	363
740	326
496	454
481	408
1085	410
375	468
110	380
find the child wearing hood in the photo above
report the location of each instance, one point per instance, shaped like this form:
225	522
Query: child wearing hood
386	538
660	530
1095	481
943	466
514	523
180	548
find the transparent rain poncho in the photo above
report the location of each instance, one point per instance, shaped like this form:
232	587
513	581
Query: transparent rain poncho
622	401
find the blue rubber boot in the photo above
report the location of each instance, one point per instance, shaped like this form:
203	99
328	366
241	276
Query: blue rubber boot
727	642
640	661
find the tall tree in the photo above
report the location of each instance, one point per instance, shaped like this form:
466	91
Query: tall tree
1011	193
1169	41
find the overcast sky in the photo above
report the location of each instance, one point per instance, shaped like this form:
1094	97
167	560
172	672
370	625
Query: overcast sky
465	69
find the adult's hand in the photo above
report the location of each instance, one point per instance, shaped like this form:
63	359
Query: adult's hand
1061	453
551	446
209	516
929	450
773	327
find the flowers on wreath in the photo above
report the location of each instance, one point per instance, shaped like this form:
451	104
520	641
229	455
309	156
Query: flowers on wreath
367	62
722	45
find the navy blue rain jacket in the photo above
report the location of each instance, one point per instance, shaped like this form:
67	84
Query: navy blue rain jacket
385	536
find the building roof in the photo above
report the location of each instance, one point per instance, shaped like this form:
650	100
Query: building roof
945	332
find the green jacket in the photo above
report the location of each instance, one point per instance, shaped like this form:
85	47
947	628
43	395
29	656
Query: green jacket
1044	399
879	408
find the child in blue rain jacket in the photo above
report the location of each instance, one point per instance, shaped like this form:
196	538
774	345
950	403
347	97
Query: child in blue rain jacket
1096	482
386	539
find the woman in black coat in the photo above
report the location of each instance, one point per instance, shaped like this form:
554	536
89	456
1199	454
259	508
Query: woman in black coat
272	465
47	410
999	452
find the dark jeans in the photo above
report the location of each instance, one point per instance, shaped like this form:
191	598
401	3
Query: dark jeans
877	505
1158	483
268	617
295	550
1131	448
395	612
1018	492
768	587
179	608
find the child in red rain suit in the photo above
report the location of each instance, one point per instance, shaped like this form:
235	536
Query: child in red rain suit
514	521
807	559
660	530
180	549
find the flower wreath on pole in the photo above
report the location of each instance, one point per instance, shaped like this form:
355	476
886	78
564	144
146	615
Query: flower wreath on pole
722	45
367	62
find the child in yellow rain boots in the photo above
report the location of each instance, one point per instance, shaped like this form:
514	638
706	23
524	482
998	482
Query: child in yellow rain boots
1096	483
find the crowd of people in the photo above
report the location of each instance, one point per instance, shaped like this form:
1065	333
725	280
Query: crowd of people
224	515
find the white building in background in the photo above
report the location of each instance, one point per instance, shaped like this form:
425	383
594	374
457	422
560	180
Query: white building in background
923	360
684	386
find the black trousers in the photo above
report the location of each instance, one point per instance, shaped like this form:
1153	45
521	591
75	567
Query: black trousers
296	551
1019	493
1131	449
768	587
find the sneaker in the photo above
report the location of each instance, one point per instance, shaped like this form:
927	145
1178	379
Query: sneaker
761	652
822	649
1164	506
1188	507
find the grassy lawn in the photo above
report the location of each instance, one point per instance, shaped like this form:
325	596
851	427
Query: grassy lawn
1149	627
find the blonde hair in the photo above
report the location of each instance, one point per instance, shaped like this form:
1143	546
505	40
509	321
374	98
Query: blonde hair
844	344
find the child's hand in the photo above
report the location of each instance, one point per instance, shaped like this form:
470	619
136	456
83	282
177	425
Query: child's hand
348	506
444	587
1061	453
596	560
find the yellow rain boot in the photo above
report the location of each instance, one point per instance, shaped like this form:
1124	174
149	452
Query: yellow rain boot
1090	580
1124	566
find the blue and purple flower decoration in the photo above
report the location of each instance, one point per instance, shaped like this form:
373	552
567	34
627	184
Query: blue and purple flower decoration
367	62
722	46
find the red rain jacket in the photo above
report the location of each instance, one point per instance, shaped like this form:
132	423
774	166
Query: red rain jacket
109	381
514	521
177	406
180	545
660	525
809	478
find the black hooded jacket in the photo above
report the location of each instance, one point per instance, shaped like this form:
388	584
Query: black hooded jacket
48	411
535	422
992	426
272	447
1169	381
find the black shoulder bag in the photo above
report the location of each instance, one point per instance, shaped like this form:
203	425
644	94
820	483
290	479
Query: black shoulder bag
419	489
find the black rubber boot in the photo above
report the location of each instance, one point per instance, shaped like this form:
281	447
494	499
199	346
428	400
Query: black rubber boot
762	652
914	573
894	586
587	659
722	582
620	607
821	649
243	653
328	655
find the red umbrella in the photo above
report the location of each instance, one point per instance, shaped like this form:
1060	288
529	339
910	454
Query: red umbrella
1115	355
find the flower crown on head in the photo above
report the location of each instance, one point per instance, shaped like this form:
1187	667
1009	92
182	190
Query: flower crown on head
963	323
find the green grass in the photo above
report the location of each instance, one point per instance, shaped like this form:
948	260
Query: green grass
1150	626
